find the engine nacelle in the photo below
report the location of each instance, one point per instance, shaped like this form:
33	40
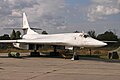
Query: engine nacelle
21	45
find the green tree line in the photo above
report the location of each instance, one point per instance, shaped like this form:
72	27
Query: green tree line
14	35
106	36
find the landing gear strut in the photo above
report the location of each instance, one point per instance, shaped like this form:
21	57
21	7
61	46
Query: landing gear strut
75	56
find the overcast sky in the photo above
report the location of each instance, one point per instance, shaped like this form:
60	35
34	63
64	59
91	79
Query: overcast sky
58	16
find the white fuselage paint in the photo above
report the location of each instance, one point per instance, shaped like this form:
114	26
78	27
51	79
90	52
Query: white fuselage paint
71	39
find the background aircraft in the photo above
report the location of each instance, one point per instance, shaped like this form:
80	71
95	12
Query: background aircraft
31	39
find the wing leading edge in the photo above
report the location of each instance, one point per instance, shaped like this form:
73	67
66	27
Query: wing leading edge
37	41
42	41
8	41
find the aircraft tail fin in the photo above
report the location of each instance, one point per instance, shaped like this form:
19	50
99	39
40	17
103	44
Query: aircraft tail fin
26	27
25	22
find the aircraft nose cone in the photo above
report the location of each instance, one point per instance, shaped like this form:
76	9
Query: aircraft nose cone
103	44
99	43
94	43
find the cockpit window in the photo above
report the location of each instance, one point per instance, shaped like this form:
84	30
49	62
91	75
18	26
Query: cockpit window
85	36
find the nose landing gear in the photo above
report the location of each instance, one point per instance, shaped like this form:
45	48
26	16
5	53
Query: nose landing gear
75	56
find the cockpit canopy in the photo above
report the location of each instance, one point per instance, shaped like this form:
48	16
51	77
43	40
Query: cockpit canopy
85	35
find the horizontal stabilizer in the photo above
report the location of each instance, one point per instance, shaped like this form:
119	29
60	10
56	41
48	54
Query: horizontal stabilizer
21	28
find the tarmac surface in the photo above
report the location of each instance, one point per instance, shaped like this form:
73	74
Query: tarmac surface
43	68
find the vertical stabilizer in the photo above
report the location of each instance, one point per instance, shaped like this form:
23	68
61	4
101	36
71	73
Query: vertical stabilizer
25	22
26	27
